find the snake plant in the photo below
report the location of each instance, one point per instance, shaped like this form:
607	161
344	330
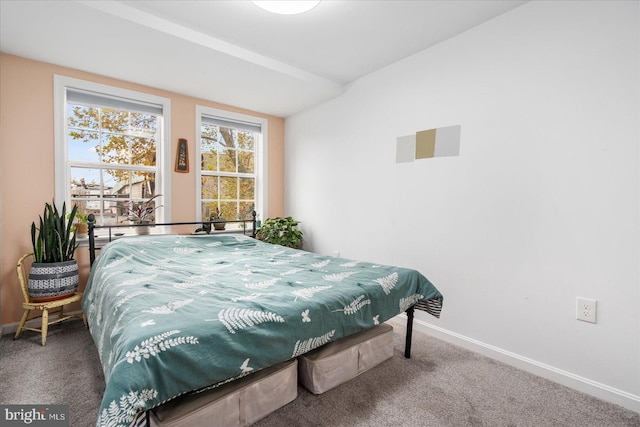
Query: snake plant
54	240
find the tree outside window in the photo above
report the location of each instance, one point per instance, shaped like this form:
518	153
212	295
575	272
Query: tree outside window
228	172
111	158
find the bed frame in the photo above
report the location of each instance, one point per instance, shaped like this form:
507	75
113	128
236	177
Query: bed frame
205	227
202	227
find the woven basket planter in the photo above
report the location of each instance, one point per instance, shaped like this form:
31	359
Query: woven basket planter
52	281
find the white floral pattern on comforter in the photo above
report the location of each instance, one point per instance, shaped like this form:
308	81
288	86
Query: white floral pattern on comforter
173	314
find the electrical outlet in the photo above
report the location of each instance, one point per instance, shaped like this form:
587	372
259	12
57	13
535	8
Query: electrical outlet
586	309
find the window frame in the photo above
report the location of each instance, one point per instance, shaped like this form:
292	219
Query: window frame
260	161
62	189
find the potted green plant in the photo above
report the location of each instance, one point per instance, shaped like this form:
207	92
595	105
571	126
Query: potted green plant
80	226
141	213
54	272
219	222
281	231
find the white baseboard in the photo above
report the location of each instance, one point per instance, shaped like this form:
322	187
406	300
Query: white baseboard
585	385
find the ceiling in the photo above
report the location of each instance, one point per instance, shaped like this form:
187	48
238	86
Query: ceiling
233	52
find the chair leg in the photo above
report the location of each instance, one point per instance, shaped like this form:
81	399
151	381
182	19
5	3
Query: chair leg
45	325
84	320
22	322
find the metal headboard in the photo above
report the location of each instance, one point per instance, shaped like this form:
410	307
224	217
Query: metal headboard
203	226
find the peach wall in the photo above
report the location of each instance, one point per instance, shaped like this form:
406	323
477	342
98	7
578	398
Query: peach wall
27	160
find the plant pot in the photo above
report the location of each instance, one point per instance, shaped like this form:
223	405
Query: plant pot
219	224
82	228
142	229
53	280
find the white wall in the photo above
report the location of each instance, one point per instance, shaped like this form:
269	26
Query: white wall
541	206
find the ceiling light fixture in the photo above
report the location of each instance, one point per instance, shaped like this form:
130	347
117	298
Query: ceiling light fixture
290	7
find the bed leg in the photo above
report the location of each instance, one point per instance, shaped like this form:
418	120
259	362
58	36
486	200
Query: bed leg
92	239
407	341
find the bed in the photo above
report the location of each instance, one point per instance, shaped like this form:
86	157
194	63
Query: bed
171	314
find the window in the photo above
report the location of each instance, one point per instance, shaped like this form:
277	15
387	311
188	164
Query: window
232	170
111	149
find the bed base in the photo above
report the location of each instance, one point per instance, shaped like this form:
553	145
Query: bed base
340	361
239	403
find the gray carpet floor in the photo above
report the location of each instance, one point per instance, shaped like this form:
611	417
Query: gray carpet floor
441	385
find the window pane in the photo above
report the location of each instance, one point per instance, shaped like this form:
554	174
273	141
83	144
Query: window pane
209	131
83	178
226	137
208	210
118	182
229	210
210	188
245	161
113	181
247	188
82	117
83	145
246	140
228	160
143	125
85	190
110	207
115	149
209	155
143	151
114	120
82	211
81	204
143	185
228	188
246	208
112	215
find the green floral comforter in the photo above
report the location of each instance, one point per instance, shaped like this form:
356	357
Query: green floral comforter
171	314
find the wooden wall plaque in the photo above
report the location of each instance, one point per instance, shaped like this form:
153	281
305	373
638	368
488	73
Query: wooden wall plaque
182	156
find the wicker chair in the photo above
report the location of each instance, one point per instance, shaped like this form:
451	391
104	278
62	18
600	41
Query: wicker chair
44	307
